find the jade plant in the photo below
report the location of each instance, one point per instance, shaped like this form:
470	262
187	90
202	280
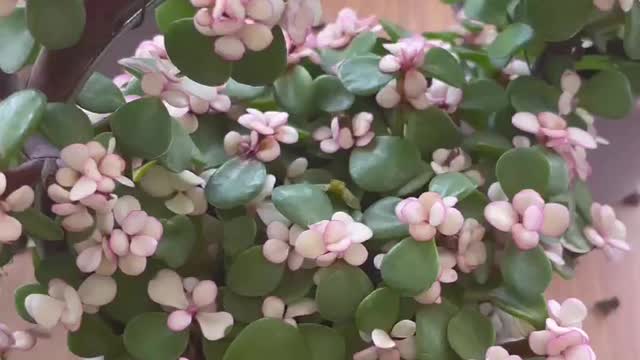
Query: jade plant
260	183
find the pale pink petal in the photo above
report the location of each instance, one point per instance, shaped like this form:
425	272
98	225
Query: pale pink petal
310	244
389	64
287	135
565	103
273	307
365	139
415	84
525	239
214	325
532	218
526	198
356	255
430	295
180	204
501	215
58	194
45	310
326	259
359	232
229	47
301	307
538	341
134	222
582	138
20	199
322	133
556	220
275	250
571	313
411	211
83	188
404	329
143	245
345	139
166	289
125	205
89	259
388	97
422	232
10	228
329	146
97	290
3	183
119	242
382	340
23	340
452	222
179	320
153	228
75	156
580	352
269	150
369	353
132	265
106	185
526	122
78	221
362	123
278	230
205	293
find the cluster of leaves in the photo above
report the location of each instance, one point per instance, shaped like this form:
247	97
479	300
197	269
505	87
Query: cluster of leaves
225	244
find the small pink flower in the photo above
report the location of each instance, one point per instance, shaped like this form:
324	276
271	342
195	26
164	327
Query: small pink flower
472	251
429	214
153	48
606	231
18	201
300	17
15	340
184	190
444	96
528	217
306	50
338	238
606	5
275	308
190	299
280	246
499	353
446	274
345	136
516	68
400	343
347	26
570	83
406	54
450	160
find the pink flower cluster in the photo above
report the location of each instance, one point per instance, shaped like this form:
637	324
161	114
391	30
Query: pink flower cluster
126	247
345	136
238	25
606	5
18	201
472	251
563	338
430	214
268	130
499	353
339	34
275	308
606	231
569	142
338	238
85	182
446	275
190	299
15	340
300	17
444	96
280	246
528	217
400	343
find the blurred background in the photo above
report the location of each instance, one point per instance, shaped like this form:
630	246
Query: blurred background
616	175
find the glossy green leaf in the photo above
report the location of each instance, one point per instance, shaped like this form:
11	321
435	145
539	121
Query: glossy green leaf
532	309
39	226
303	204
554	20
100	95
20	113
236	183
94	338
57	266
511	40
529	94
263	67
523	168
607	94
418	183
181	152
56	24
473	205
209	138
132	298
193	54
411	267
243	309
361	75
324	343
484	95
431	129
239	234
268	339
431	332
487	144
177	241
583	198
16	42
21	294
381	218
295	285
243	92
574	239
442	65
142	128
632	33
379	310
528	273
384	165
294	90
453	184
341	290
395	31
148	337
253	275
487	11
330	95
559	176
173	10
64	124
470	333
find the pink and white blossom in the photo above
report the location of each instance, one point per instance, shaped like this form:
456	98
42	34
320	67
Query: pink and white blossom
338	238
472	251
528	217
516	68
18	340
305	50
339	34
400	343
356	133
19	200
499	353
188	299
300	16
444	96
571	84
446	275
65	305
280	245
606	5
275	308
184	191
430	214
450	160
606	231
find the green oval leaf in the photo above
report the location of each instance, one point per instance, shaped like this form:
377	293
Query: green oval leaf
487	11
142	128
268	339
263	67
239	235
453	184
507	44
148	337
484	95
38	225
431	332
532	309
209	139
324	343
173	10
94	338
193	54
411	267
430	129
100	95
243	309
330	95
20	113
555	20
607	94
361	75
441	64
64	124
340	291
294	90
470	333
379	310
385	164
236	183
253	275
632	33
178	240
56	24
182	152
303	204
524	168
487	144
381	218
528	94
295	285
528	273
16	42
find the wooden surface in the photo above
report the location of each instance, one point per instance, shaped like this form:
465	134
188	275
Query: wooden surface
613	337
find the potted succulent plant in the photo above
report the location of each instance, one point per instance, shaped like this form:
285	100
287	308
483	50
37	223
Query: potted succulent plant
259	185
